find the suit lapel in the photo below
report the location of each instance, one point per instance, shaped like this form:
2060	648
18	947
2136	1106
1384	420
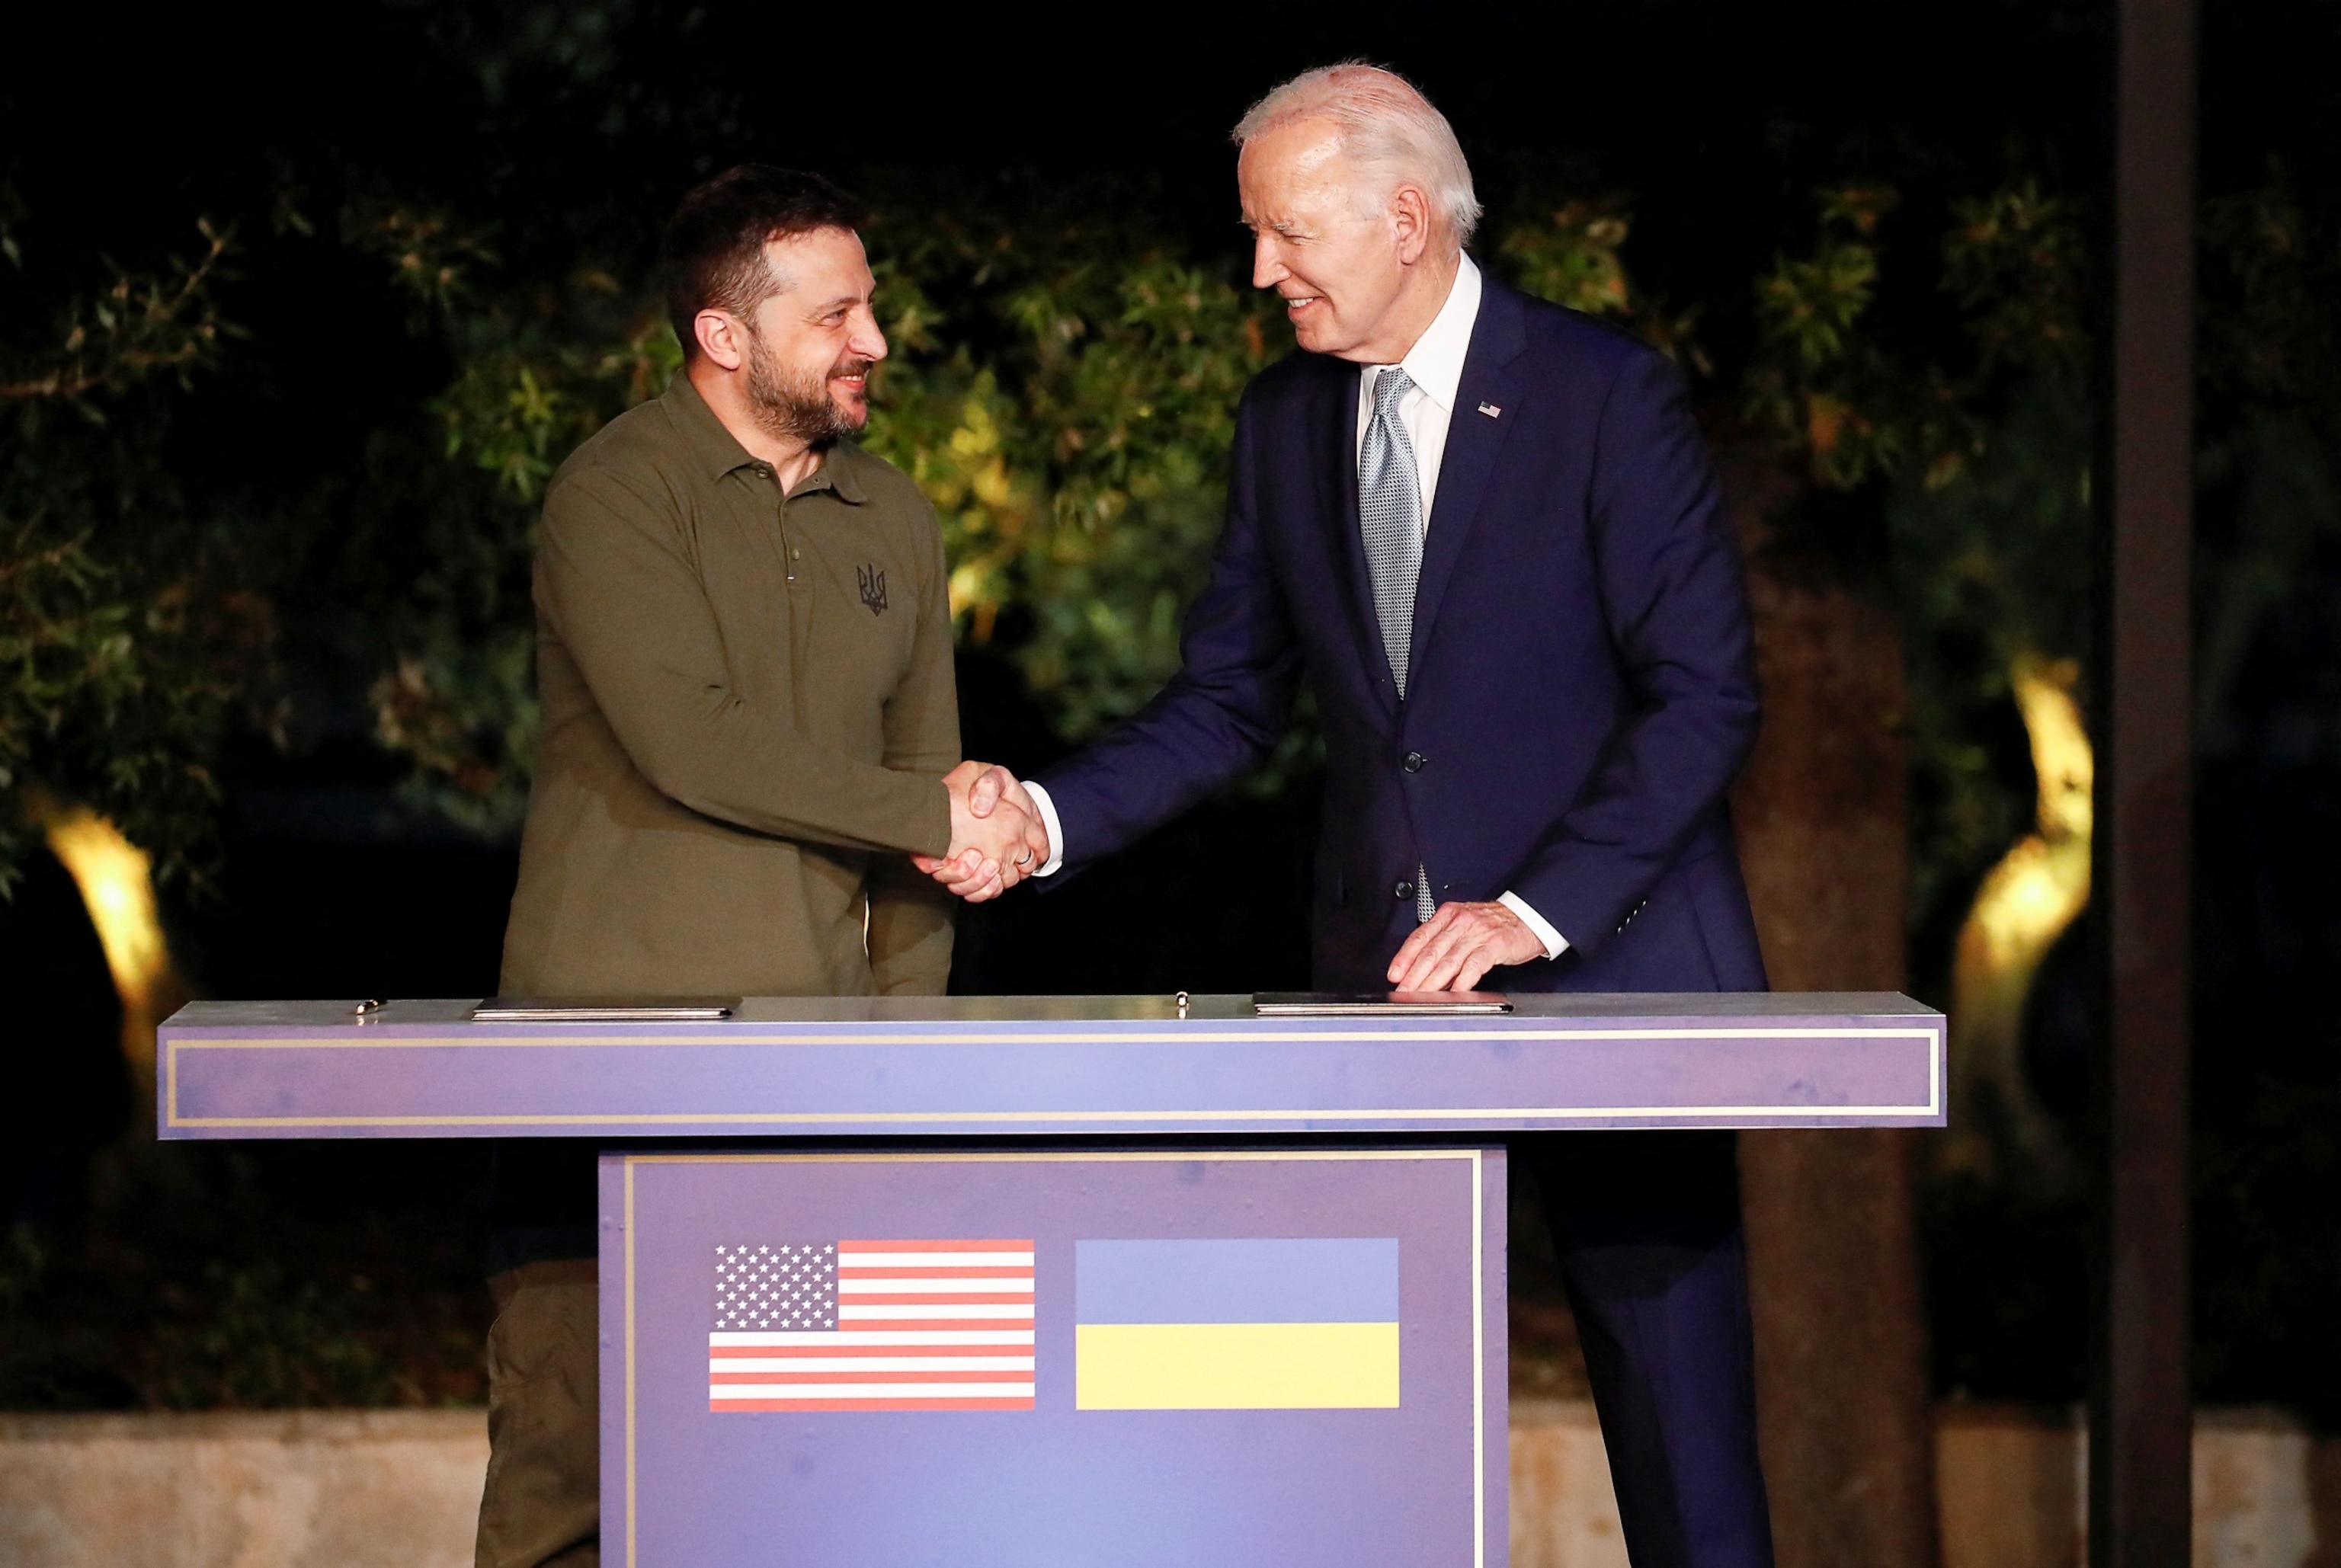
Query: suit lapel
1474	442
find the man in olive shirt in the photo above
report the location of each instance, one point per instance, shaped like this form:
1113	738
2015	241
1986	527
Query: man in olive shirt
745	656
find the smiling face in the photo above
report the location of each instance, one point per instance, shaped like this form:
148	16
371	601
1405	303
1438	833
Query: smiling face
812	344
1348	262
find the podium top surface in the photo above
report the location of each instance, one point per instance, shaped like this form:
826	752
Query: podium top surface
1050	1067
205	1017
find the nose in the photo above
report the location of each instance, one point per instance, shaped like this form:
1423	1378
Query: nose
1267	268
868	339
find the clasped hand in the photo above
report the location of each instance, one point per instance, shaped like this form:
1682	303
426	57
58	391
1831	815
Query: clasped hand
997	837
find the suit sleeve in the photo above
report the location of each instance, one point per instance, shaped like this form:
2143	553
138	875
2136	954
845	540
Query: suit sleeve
911	917
1220	715
615	582
1672	592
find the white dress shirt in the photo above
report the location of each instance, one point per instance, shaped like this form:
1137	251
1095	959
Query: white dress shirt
1435	365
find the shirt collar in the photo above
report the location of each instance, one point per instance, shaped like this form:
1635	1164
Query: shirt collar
716	451
840	470
1435	364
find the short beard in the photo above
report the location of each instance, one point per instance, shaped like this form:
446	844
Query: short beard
792	408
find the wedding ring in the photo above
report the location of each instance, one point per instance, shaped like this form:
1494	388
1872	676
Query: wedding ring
1024	859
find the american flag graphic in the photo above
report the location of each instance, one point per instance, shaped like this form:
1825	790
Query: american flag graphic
872	1326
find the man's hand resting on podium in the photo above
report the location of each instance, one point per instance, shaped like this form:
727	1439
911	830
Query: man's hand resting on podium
1452	949
997	838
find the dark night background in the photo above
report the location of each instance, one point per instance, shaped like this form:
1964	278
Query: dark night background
568	131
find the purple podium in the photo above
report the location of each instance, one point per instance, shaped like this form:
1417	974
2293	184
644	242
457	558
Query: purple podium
1007	1282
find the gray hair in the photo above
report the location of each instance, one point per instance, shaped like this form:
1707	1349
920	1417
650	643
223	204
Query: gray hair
1384	122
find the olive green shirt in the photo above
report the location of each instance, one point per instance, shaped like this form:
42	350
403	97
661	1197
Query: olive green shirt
748	706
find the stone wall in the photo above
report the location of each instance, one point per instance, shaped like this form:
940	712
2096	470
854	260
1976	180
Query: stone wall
299	1489
397	1489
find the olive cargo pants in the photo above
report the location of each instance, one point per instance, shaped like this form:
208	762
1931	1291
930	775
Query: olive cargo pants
541	1507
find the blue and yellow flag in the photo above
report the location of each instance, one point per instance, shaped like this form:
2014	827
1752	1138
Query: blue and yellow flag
1256	1323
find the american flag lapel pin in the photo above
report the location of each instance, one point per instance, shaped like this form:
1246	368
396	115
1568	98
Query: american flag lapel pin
1490	409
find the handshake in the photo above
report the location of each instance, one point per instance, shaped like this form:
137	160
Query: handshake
997	837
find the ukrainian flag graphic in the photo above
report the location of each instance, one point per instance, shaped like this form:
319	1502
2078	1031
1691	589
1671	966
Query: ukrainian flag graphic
1255	1323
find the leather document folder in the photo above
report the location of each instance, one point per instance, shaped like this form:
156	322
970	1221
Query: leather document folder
1377	1004
602	1009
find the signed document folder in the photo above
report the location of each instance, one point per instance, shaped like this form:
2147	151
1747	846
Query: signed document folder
1377	1004
602	1009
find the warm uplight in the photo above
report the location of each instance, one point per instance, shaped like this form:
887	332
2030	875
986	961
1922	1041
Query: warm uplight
2060	747
117	885
2035	892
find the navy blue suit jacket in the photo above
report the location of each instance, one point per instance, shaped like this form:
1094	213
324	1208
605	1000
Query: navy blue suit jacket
1581	689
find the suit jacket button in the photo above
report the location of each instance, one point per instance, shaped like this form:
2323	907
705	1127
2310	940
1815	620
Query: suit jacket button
1414	761
1403	891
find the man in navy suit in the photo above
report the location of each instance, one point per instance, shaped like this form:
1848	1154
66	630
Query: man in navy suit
1487	531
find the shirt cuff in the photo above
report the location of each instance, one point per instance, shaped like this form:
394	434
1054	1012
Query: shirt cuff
1555	944
1048	809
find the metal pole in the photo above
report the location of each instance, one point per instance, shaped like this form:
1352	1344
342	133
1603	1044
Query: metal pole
2140	1507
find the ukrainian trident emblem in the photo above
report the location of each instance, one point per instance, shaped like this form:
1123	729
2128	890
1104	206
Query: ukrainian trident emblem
873	582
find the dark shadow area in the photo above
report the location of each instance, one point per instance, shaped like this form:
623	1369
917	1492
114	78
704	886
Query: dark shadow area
2268	1051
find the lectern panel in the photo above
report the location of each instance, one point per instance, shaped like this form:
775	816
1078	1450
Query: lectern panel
1152	1359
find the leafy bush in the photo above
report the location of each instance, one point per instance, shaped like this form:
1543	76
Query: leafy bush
129	628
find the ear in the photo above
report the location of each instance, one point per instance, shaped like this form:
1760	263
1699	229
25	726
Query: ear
722	338
1410	222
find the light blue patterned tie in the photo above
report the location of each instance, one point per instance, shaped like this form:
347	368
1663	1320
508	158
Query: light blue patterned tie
1390	512
1390	515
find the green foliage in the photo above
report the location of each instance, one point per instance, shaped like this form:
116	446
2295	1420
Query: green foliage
1992	573
2016	263
206	1278
535	380
1856	409
1991	538
1574	259
131	632
137	327
538	369
1080	466
433	256
1971	468
2270	328
1830	390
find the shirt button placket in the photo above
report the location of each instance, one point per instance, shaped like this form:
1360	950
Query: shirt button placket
789	553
